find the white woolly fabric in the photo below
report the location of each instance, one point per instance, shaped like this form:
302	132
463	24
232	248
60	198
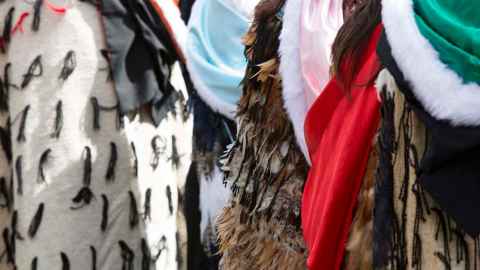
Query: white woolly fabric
293	86
214	195
147	172
440	90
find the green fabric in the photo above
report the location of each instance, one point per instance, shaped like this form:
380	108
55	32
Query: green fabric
453	29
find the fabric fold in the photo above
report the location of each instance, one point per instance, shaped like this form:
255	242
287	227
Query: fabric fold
340	130
442	100
214	51
141	52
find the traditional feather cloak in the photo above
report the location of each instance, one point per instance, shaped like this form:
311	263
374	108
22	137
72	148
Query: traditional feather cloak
79	180
260	228
426	193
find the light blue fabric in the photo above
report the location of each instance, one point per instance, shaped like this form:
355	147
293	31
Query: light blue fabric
215	53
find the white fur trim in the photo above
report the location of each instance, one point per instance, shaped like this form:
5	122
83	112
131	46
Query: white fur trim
293	88
441	91
216	104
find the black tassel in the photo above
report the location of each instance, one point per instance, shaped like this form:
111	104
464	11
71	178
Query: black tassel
9	248
444	260
23	122
34	263
135	160
147	215
96	113
36	221
87	166
85	195
6	78
41	170
18	168
175	157
158	148
69	64
58	121
133	211
37	7
7	29
11	192
15	233
94	257
462	249
4	192
35	70
168	192
104	224
147	257
65	261
6	140
3	96
110	176
127	256
443	226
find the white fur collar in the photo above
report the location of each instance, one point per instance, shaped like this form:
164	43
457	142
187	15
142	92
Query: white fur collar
293	89
441	91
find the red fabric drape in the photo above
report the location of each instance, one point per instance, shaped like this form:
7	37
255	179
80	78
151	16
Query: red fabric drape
339	130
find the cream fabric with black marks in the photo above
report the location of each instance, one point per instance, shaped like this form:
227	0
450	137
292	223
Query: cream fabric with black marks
92	189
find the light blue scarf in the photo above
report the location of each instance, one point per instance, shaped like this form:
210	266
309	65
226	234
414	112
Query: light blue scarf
215	54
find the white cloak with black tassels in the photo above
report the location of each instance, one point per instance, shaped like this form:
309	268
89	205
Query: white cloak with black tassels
130	222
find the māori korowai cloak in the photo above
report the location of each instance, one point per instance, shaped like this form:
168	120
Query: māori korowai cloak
85	187
260	227
428	188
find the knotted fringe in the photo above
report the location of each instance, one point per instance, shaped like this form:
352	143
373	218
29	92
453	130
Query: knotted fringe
410	232
260	229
